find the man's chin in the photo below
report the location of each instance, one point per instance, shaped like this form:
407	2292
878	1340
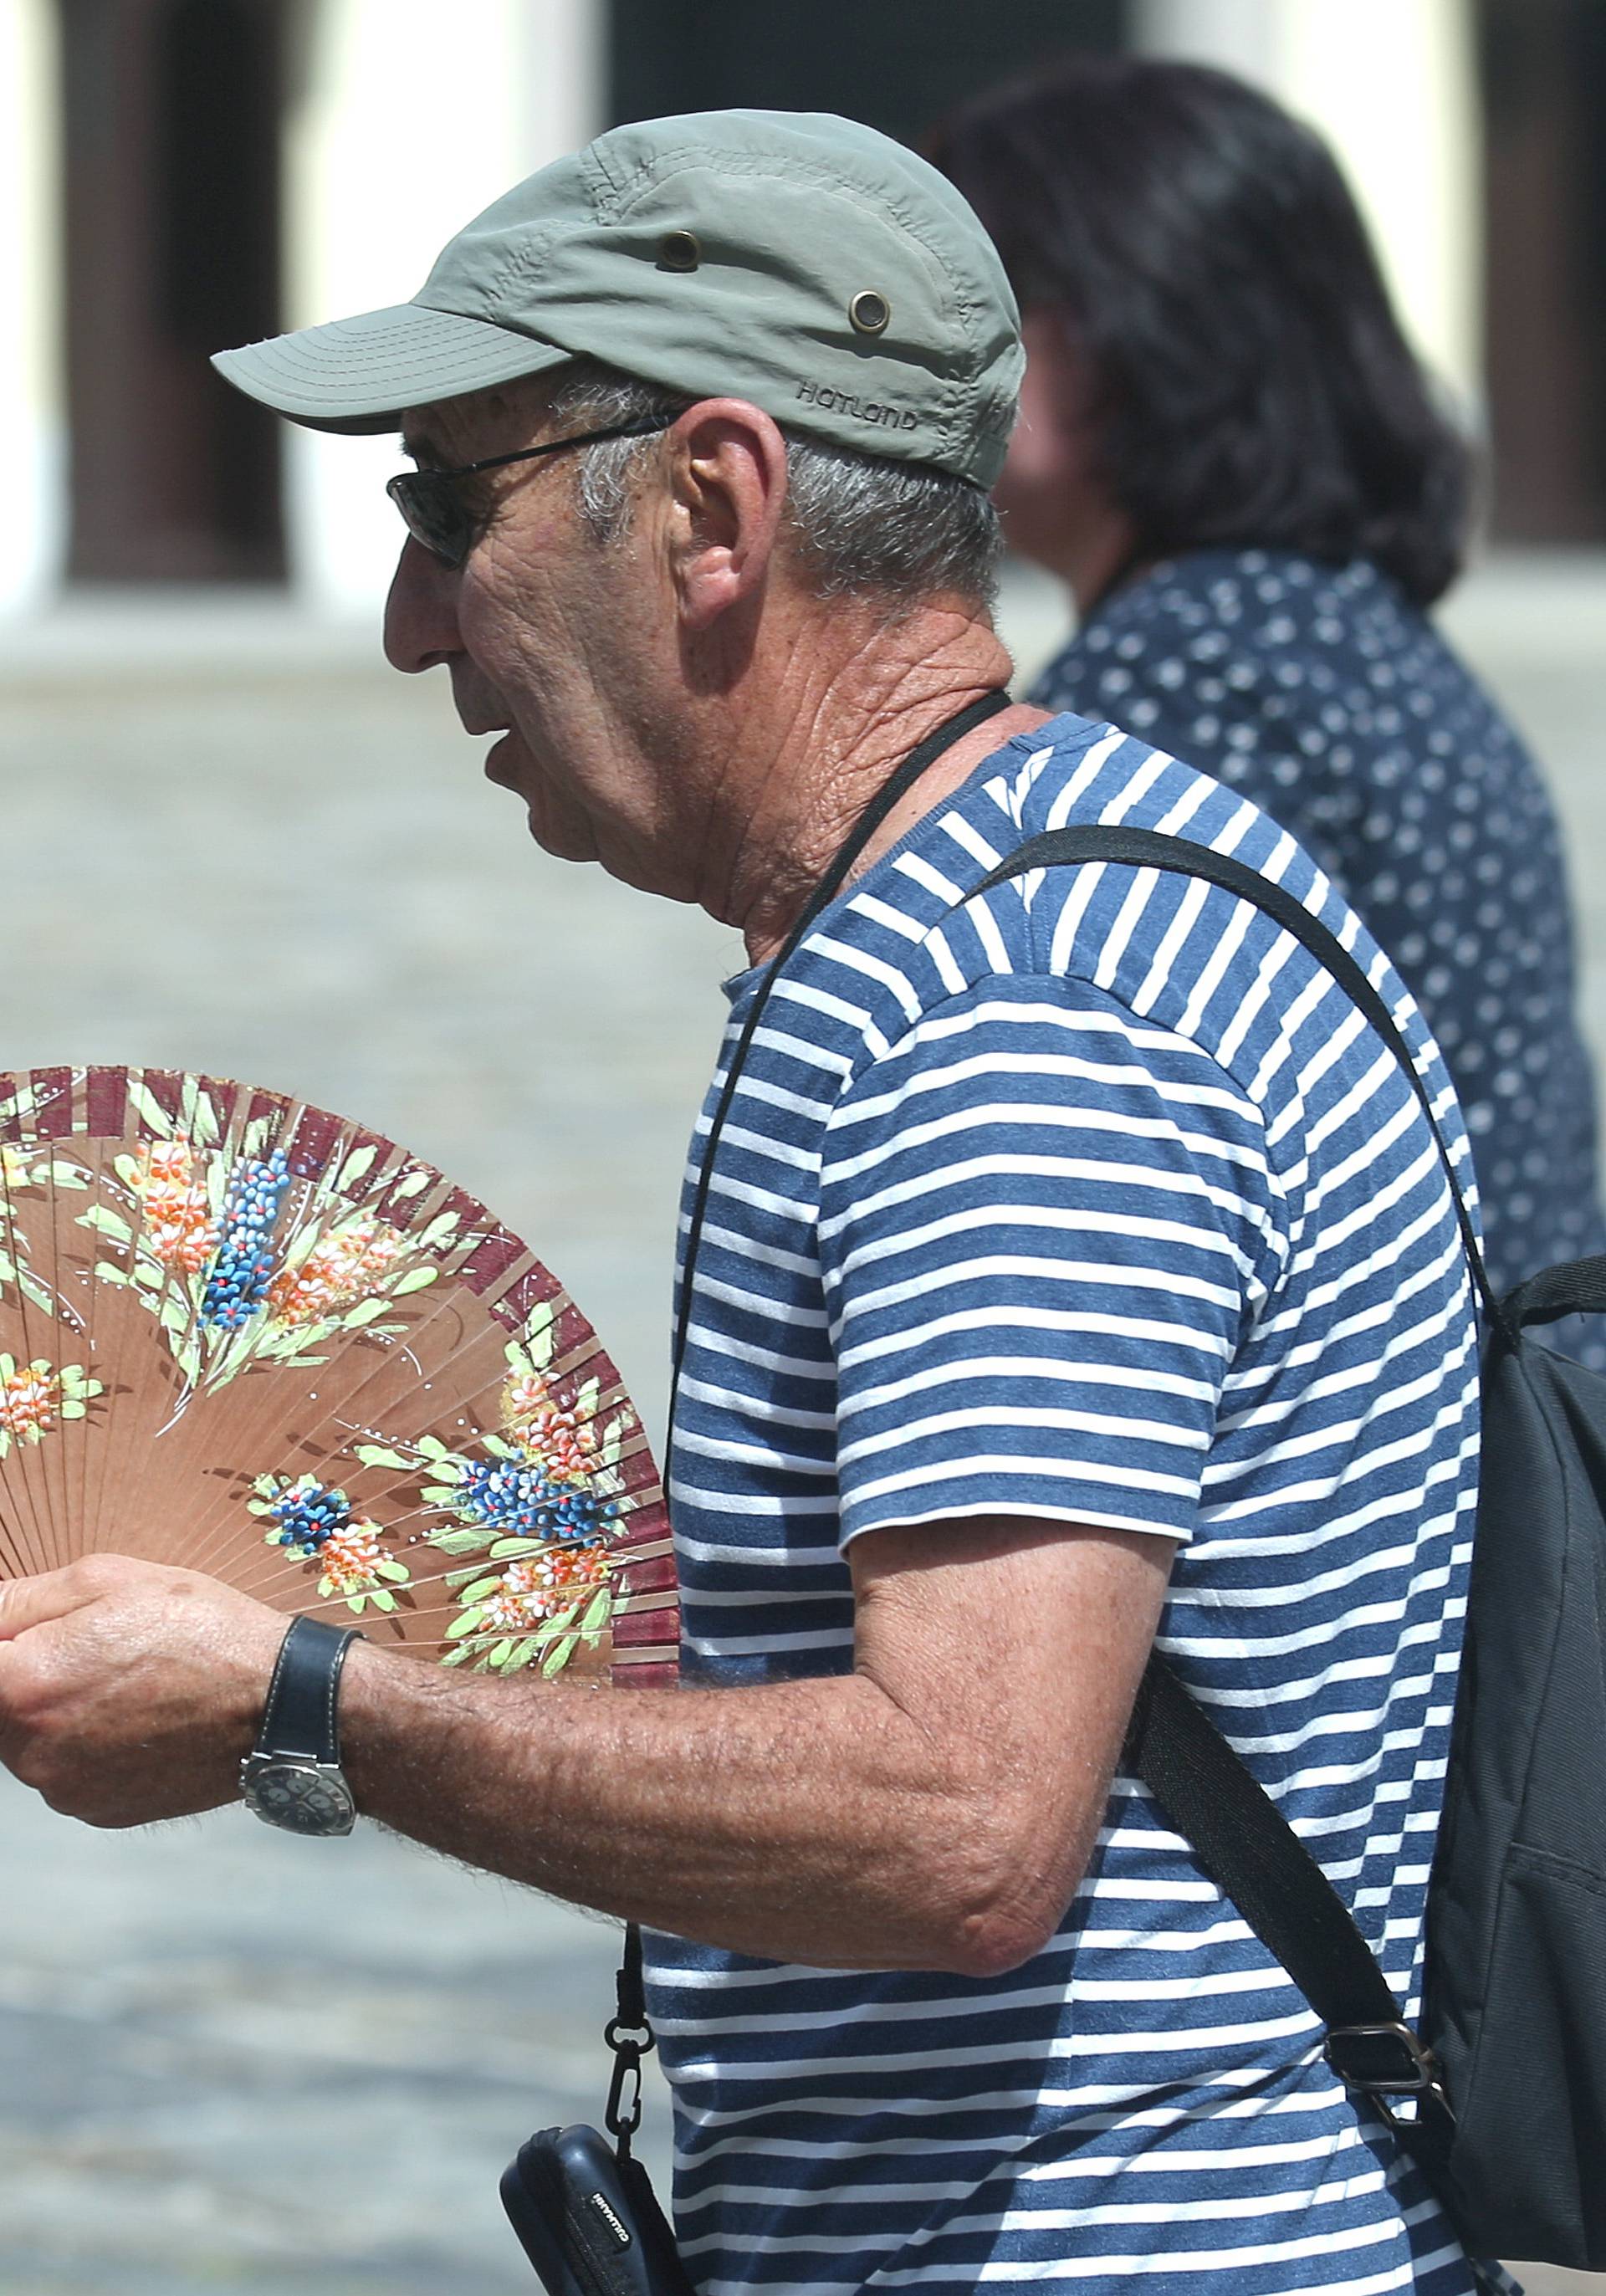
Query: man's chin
565	839
500	765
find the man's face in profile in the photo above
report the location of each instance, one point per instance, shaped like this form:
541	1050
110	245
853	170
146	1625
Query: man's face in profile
551	638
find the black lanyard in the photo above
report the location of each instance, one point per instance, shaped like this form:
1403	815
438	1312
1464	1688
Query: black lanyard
629	2035
898	784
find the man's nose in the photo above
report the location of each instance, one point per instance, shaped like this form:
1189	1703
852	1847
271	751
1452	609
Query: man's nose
421	612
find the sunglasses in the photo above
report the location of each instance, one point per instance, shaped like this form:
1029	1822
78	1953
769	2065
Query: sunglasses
435	514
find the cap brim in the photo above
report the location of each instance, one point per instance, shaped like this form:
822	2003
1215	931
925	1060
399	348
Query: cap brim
361	374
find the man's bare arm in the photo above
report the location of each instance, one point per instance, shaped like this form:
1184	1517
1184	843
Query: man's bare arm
935	1809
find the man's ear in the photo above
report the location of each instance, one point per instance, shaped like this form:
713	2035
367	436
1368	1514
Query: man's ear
727	483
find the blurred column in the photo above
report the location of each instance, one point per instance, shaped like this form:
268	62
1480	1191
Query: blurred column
169	115
33	414
1392	86
404	119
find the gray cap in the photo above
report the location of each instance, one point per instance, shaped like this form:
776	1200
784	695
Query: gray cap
800	261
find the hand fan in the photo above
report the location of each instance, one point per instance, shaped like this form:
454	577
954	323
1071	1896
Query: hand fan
244	1335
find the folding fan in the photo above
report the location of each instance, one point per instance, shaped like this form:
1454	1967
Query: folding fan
241	1334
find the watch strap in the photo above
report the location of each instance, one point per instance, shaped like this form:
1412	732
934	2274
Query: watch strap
301	1715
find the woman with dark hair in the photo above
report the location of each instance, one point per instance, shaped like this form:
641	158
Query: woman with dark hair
1228	453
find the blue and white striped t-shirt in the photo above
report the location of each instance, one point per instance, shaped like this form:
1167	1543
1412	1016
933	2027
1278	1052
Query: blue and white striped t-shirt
1091	1198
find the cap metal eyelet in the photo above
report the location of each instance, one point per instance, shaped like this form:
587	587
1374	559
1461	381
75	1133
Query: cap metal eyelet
678	250
870	312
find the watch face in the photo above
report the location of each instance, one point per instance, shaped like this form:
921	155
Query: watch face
302	1797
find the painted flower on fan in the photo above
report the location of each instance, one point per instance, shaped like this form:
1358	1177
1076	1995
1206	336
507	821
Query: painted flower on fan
355	1561
506	1495
314	1519
16	1171
177	1227
346	1265
564	1442
242	1271
307	1513
517	1499
165	1164
34	1397
538	1587
525	1396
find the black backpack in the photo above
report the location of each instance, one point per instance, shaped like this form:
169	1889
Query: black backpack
1501	2097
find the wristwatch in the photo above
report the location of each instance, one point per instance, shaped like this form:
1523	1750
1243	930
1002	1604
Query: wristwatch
293	1777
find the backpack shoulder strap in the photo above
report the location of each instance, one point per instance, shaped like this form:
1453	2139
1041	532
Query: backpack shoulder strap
1241	1837
1259	1863
1151	848
1576	1288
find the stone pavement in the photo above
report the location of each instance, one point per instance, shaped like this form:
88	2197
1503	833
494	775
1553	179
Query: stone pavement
230	2061
227	2066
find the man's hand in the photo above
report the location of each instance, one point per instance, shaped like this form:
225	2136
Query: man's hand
129	1691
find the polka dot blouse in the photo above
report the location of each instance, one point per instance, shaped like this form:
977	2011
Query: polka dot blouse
1322	695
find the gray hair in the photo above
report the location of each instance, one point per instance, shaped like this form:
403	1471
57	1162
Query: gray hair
861	524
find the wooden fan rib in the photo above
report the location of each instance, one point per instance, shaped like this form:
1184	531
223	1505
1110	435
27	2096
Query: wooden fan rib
79	1453
98	1100
17	1505
105	1108
103	1112
43	1337
40	1332
182	1289
66	1467
35	1334
92	1450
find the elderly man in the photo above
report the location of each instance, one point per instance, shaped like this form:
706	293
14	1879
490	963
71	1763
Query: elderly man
1069	1258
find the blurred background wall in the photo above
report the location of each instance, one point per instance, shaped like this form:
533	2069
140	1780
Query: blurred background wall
190	173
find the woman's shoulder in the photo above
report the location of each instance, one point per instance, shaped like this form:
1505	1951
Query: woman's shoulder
1247	633
1249	601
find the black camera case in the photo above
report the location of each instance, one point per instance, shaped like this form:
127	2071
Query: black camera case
590	2223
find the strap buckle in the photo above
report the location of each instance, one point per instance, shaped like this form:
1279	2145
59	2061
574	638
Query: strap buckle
1384	2061
630	2044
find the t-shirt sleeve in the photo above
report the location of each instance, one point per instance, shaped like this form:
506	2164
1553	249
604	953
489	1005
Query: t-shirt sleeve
1046	1225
